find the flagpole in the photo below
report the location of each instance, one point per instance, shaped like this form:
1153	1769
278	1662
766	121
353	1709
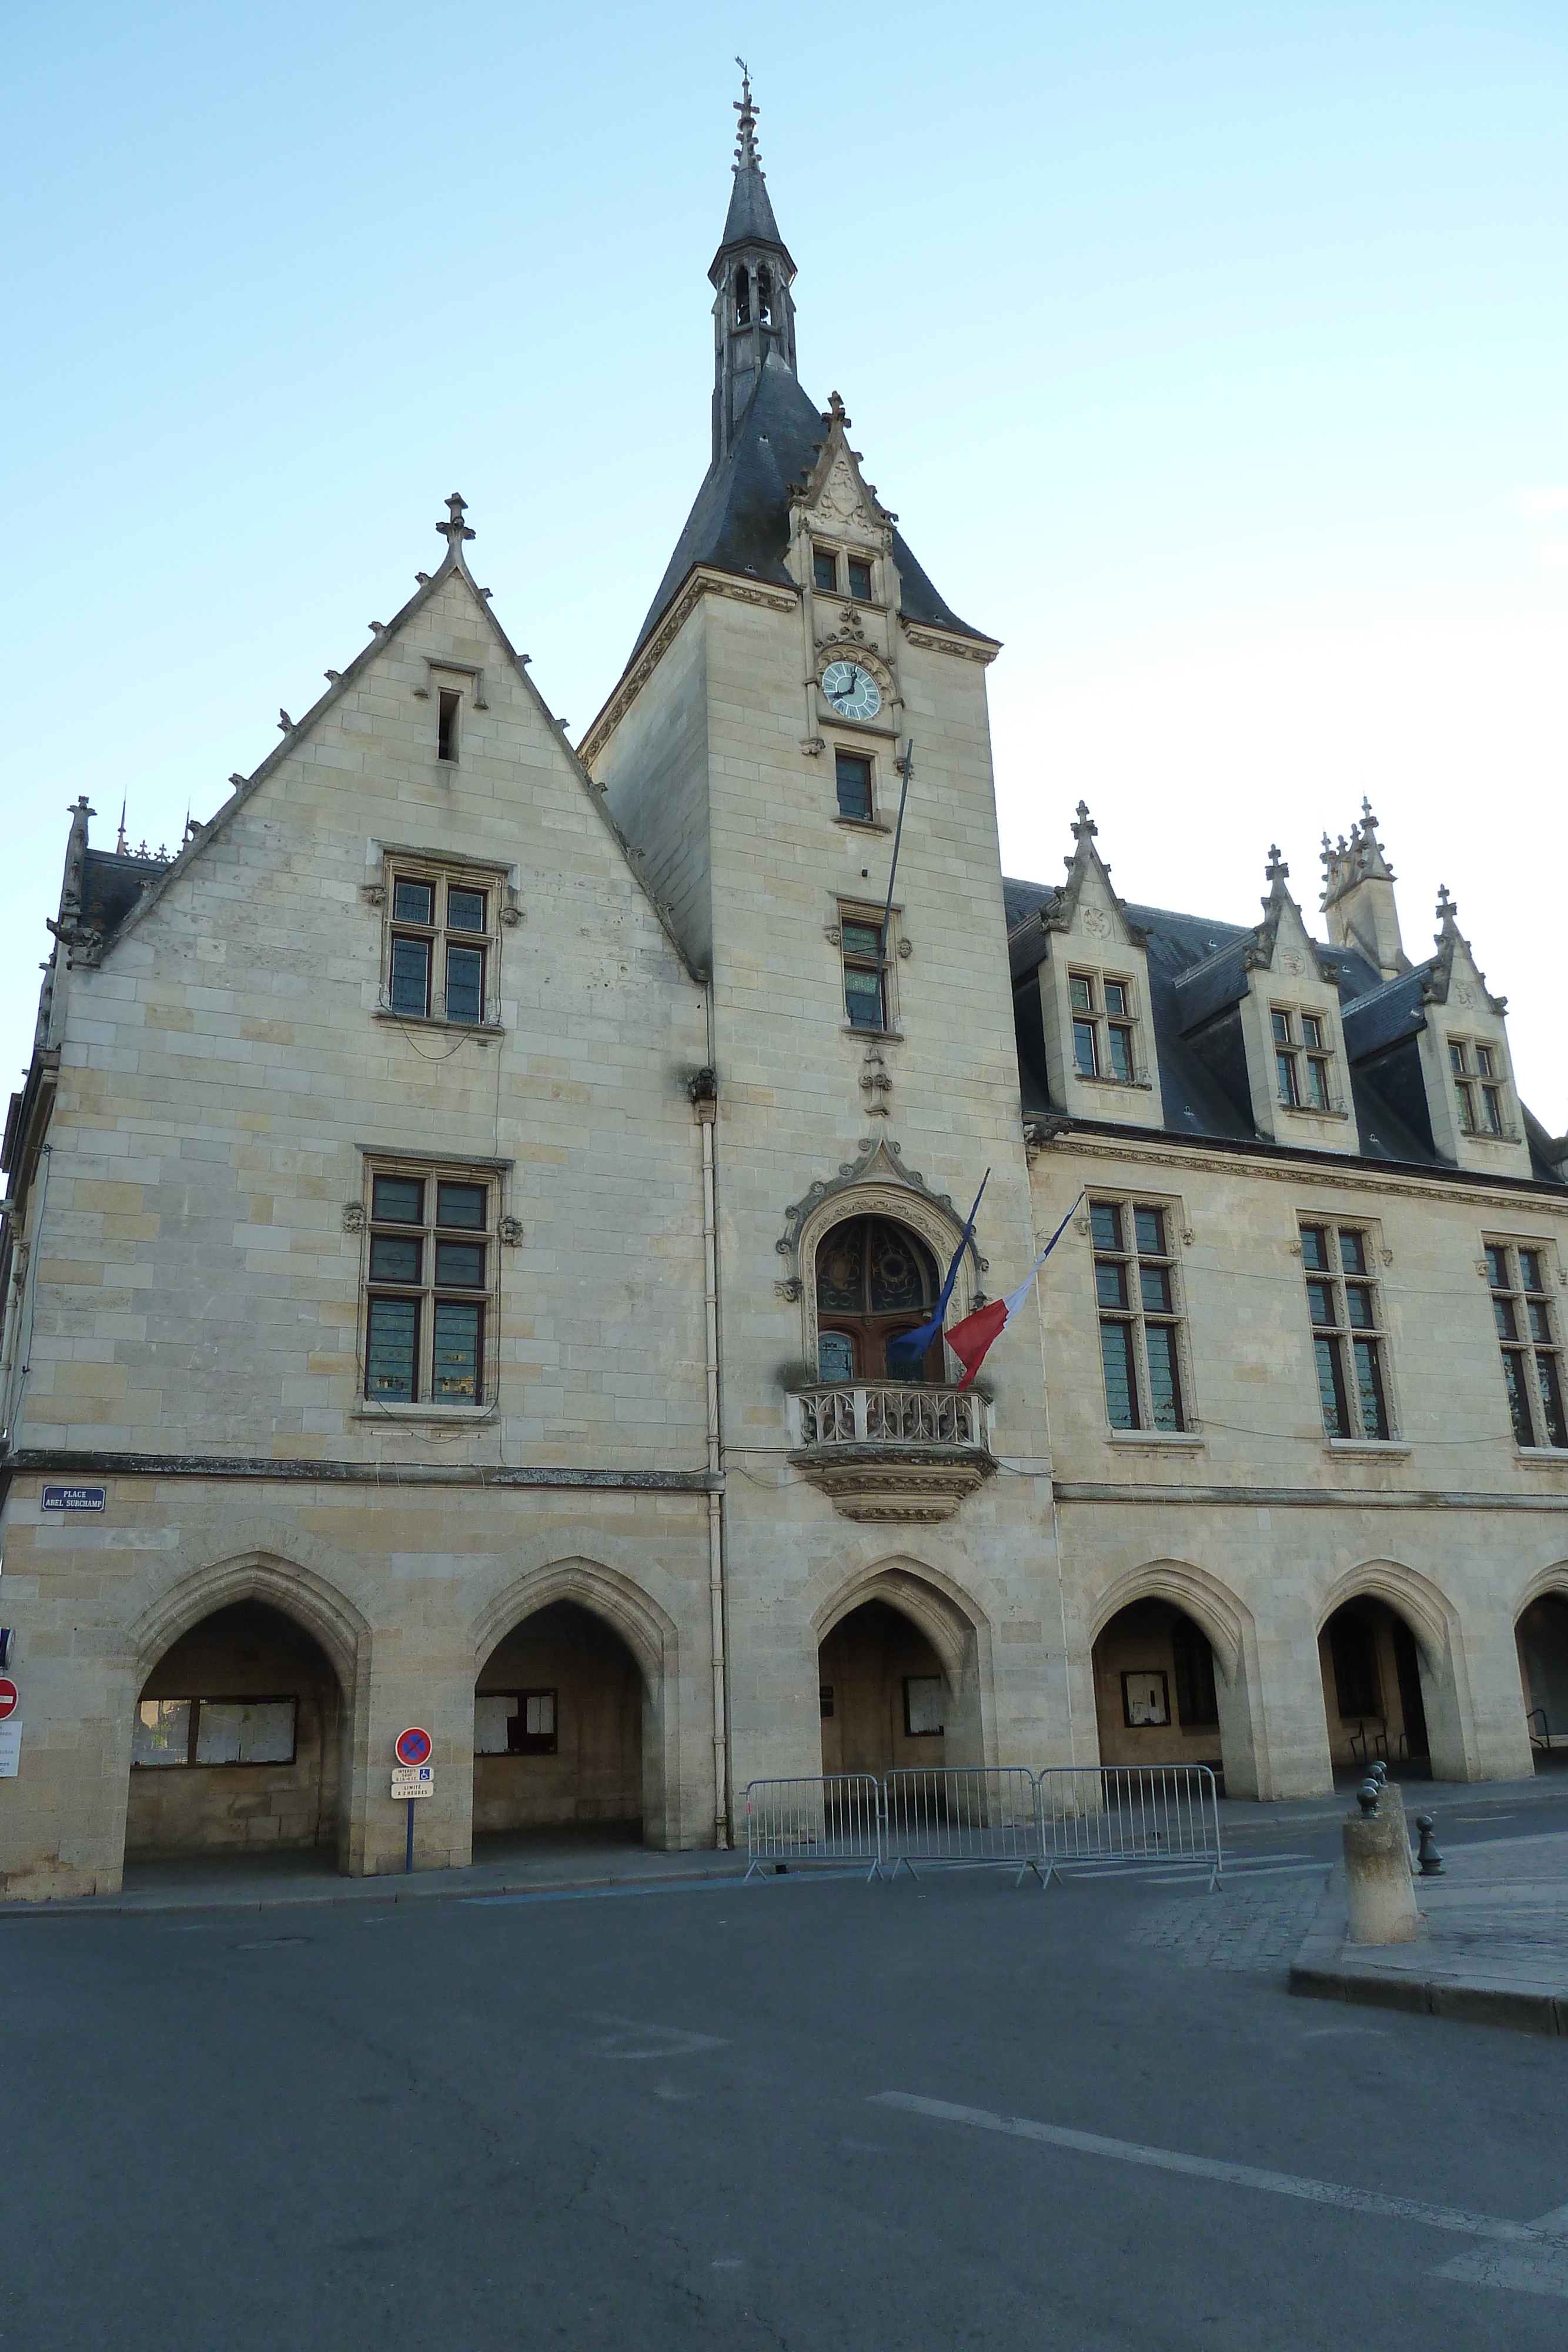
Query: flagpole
905	768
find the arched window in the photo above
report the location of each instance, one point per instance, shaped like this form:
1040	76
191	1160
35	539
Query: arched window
765	296
875	1279
742	297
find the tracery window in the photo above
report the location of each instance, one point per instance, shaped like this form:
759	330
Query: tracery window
1531	1357
875	1279
1349	1345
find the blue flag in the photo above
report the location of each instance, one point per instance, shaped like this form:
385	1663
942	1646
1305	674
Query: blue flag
914	1343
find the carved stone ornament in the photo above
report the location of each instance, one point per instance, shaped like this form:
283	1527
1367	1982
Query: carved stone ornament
1096	923
874	1183
510	1229
353	1216
1293	961
789	1290
905	947
876	1082
373	893
1464	994
511	914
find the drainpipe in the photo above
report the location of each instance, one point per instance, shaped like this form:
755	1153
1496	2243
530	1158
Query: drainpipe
703	1092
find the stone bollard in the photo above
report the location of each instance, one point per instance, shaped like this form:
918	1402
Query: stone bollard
1378	1872
1391	1800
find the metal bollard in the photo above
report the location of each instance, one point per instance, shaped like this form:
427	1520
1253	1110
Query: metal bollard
1431	1860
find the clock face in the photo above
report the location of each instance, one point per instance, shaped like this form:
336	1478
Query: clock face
852	690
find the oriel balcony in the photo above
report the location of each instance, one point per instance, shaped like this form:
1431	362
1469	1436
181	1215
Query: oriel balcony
890	1449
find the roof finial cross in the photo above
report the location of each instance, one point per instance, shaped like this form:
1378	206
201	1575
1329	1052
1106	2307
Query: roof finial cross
746	157
455	531
1084	827
1276	871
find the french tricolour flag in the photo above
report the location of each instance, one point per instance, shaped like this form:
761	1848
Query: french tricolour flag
971	1340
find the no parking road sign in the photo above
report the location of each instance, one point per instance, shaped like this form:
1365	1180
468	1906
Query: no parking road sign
414	1746
10	1698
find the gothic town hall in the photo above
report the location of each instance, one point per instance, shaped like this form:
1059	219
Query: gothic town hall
463	1208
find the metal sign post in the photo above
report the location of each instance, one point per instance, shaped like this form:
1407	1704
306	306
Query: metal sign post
413	1776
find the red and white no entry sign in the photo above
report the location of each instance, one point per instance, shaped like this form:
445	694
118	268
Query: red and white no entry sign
10	1698
414	1746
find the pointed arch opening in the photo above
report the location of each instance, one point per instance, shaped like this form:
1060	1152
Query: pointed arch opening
1391	1693
571	1714
239	1742
898	1666
1169	1660
1540	1637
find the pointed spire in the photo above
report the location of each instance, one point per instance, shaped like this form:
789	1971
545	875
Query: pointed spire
749	220
746	157
455	531
119	845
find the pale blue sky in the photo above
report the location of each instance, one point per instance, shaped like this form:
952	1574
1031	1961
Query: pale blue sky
1215	357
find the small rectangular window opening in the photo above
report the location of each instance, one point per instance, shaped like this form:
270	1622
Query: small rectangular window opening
860	580
824	571
446	725
852	774
865	983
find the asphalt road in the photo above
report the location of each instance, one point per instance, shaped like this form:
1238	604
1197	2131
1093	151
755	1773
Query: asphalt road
765	2115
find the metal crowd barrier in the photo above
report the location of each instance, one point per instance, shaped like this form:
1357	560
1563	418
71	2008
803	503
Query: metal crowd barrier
835	1820
961	1814
1125	1814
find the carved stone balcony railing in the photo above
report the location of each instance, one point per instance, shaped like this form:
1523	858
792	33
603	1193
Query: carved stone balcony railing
890	1449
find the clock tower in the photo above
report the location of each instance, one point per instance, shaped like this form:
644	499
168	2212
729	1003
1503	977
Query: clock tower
862	1074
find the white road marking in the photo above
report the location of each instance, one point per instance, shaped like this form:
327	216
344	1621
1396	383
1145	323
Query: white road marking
1525	2234
631	2039
1231	1876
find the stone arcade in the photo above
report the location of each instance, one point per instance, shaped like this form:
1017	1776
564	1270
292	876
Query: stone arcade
460	1205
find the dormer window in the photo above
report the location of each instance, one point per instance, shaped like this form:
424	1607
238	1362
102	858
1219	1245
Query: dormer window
860	580
1101	1027
1301	1060
825	571
1477	1093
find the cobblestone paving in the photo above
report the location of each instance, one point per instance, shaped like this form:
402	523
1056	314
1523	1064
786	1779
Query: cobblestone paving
1237	1928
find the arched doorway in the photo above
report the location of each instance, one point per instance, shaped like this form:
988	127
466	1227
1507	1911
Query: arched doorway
237	1742
1374	1693
874	1280
1157	1692
1541	1635
560	1724
886	1702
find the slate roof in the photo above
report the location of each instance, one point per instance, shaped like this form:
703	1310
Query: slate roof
112	885
1196	971
749	220
740	522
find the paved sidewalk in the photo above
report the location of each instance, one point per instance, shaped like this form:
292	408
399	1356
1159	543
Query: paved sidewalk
271	1881
1493	1946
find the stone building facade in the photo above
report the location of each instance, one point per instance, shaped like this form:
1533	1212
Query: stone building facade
459	1209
